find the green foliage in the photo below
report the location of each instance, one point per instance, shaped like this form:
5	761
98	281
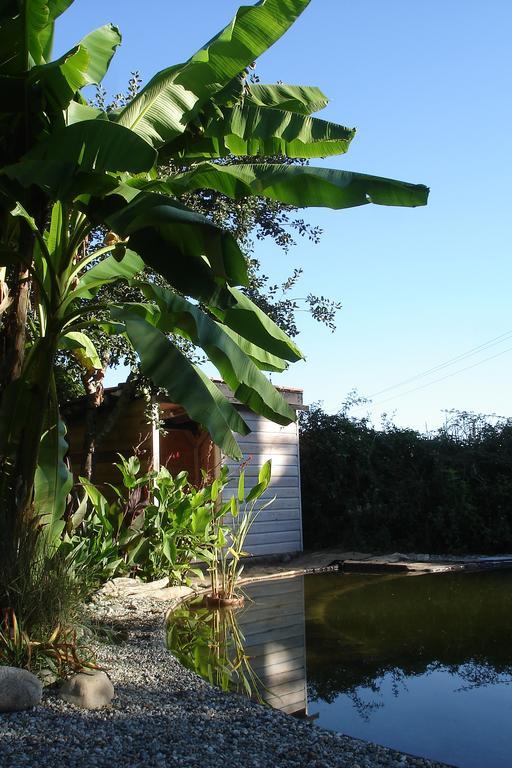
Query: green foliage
157	525
160	525
69	170
60	652
229	539
42	606
182	516
395	489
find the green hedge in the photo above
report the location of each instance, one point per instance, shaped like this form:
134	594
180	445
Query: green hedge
396	489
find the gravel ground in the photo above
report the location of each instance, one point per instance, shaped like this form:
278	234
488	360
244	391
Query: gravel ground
165	715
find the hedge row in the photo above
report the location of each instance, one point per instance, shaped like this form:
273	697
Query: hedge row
396	489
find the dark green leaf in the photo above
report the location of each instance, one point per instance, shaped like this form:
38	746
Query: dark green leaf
299	186
246	129
239	372
53	482
245	318
303	99
168	368
195	256
91	146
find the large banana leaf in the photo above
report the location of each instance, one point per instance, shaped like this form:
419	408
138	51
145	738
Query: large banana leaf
168	368
91	146
21	27
300	186
239	372
85	64
162	110
26	32
303	99
194	255
53	482
247	129
245	318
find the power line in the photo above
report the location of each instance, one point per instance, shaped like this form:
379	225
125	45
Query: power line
473	351
443	378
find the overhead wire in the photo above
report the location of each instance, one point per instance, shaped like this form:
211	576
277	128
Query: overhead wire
443	378
469	353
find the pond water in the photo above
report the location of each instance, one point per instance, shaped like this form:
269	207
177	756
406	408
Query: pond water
422	664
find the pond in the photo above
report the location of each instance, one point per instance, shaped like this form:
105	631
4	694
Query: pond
422	664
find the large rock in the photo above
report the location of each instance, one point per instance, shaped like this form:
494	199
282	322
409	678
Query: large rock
89	690
19	689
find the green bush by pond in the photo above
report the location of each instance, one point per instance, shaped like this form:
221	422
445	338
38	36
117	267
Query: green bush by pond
397	489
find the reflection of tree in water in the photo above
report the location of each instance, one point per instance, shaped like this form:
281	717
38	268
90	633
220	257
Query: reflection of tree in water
356	694
479	674
364	630
475	674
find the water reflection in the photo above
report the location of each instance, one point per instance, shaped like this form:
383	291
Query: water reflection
422	664
404	625
258	649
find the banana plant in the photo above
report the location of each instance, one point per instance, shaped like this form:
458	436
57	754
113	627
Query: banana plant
68	168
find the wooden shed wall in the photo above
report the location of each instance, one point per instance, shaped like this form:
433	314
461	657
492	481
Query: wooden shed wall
278	529
131	430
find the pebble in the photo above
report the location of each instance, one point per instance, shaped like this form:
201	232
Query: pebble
165	715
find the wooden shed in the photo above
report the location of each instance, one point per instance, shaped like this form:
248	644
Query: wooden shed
187	446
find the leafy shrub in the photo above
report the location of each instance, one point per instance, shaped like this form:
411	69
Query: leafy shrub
396	489
160	525
157	525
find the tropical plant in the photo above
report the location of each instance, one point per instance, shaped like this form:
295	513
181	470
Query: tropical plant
182	517
67	168
156	525
161	525
229	536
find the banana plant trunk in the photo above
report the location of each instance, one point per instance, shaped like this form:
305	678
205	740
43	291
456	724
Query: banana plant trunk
23	415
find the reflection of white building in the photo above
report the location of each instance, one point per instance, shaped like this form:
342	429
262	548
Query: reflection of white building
274	630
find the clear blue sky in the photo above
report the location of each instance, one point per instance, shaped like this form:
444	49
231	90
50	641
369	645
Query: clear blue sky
428	87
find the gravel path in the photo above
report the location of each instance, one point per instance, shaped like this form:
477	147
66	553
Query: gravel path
164	715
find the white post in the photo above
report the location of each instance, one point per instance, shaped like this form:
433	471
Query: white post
155	434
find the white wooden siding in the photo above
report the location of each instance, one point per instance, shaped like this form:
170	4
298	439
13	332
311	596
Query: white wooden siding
278	529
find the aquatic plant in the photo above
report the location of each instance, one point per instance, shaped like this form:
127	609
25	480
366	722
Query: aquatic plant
229	539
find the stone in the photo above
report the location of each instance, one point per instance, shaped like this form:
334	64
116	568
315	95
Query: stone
19	689
88	690
47	677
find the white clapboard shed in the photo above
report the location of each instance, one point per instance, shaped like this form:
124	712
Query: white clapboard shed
186	446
